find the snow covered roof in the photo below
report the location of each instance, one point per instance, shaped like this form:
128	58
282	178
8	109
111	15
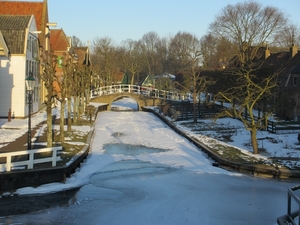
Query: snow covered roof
165	75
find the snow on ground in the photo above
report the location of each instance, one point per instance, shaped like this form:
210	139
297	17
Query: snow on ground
139	128
179	153
175	185
231	132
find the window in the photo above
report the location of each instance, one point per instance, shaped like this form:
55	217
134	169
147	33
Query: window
27	67
30	44
295	81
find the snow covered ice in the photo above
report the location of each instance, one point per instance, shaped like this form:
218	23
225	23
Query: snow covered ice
176	185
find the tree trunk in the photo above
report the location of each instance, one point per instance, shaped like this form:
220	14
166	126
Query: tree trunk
75	109
62	121
49	126
254	140
132	79
69	115
194	107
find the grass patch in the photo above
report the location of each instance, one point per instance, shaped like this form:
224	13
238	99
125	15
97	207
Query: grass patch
224	132
73	143
235	155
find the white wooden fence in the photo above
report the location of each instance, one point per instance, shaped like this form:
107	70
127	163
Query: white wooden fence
31	161
124	88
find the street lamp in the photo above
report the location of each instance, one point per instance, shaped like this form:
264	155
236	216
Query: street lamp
30	82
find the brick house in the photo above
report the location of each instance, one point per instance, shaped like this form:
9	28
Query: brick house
60	44
285	99
287	95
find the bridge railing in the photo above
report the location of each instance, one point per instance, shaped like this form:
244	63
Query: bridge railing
135	89
292	217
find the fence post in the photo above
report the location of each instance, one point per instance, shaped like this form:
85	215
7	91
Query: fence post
54	154
9	115
31	158
289	207
8	163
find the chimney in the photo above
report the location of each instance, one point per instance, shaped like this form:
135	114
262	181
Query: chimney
293	50
267	52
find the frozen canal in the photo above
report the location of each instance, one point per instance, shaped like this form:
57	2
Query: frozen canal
168	181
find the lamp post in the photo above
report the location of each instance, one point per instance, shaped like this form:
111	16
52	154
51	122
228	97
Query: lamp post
30	82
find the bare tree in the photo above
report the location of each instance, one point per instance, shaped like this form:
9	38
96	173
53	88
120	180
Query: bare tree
216	51
249	26
131	58
149	53
48	62
209	51
76	42
290	36
66	84
104	60
163	55
83	87
186	50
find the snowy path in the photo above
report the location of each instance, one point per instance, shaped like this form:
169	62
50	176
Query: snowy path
175	186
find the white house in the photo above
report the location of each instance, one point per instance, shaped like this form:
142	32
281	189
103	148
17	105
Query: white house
19	57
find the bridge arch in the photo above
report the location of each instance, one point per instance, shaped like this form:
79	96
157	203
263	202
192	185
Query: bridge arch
126	97
140	99
144	96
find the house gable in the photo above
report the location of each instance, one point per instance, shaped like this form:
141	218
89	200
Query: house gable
13	29
3	47
38	9
83	55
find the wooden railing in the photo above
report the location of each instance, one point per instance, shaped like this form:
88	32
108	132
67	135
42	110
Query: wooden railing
292	216
184	111
140	90
30	159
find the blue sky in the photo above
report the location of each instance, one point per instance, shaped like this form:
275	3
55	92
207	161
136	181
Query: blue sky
131	19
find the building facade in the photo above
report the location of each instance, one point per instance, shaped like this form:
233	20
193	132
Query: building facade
19	59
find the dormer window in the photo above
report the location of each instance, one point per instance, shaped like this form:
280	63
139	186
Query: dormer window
32	46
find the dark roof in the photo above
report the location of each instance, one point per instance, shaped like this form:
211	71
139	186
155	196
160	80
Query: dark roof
13	29
296	69
277	59
38	9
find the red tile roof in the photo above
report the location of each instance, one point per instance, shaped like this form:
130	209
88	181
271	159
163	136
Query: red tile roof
59	40
118	77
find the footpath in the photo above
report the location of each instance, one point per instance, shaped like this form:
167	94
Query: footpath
38	134
21	142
